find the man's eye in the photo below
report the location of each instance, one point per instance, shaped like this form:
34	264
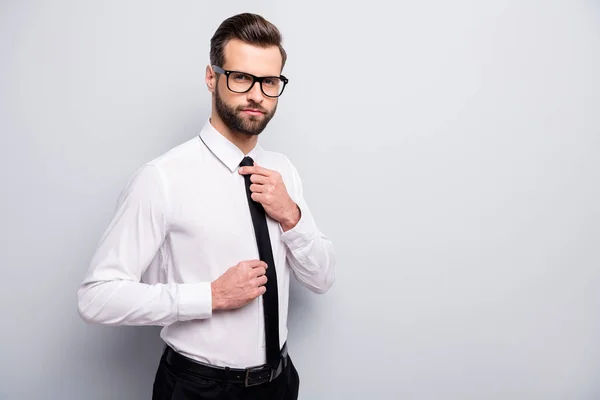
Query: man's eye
241	77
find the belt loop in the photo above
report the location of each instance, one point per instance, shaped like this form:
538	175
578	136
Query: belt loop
226	376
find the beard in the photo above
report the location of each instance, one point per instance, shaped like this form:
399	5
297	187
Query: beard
253	125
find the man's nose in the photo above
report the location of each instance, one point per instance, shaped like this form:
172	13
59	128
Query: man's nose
255	93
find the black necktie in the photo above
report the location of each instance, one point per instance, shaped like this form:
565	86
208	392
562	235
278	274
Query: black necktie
265	252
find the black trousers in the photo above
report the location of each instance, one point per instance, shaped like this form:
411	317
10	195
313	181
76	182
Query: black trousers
176	385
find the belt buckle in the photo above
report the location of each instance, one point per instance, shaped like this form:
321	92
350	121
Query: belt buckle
247	382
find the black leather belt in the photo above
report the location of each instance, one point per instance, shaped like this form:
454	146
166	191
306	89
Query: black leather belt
244	376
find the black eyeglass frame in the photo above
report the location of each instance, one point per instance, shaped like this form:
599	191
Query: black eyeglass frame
255	79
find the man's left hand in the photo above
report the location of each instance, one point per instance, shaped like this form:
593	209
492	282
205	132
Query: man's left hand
268	189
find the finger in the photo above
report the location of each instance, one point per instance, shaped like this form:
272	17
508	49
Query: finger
258	170
261	280
259	197
260	271
258	264
254	178
257	188
260	290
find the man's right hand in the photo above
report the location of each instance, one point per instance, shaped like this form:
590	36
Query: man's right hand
239	285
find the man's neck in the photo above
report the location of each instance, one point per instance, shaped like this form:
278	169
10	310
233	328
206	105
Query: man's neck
243	141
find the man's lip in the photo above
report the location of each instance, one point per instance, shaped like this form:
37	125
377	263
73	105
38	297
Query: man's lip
253	110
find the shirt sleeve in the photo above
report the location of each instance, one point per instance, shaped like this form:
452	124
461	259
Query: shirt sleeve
112	292
311	255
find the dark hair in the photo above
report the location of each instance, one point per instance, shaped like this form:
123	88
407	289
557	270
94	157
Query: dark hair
250	28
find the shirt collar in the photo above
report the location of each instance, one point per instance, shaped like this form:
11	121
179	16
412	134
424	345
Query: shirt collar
227	152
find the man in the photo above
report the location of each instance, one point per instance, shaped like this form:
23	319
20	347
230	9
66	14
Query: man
205	237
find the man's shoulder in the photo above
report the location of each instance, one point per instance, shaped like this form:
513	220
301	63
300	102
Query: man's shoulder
278	161
169	163
176	155
275	156
283	164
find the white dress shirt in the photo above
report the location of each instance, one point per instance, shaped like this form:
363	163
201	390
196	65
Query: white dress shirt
180	223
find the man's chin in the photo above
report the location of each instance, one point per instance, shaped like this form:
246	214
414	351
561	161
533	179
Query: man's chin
253	131
253	124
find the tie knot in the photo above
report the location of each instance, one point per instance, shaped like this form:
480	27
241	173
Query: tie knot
247	162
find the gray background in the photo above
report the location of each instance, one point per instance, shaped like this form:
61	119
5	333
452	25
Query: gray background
449	149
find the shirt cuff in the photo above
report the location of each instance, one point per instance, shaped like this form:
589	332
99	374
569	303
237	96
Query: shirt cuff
301	234
195	301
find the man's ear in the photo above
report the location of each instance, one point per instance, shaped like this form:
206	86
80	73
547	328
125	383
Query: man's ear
211	79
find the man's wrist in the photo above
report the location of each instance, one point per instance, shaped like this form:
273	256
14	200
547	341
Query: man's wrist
292	220
216	304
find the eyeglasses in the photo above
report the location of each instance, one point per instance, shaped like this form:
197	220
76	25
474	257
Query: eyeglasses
242	82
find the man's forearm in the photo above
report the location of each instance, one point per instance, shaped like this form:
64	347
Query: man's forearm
122	302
